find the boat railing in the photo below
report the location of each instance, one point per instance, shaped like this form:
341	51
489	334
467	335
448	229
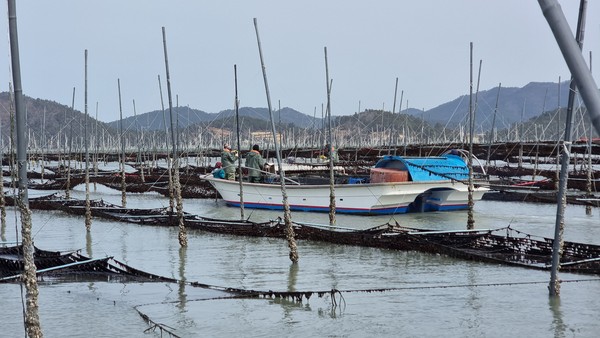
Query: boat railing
262	172
465	155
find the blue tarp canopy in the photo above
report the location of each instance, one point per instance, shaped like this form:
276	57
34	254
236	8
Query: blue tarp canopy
433	168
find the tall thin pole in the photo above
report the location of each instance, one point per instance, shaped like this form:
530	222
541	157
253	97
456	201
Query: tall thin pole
182	236
399	110
169	164
140	161
588	181
588	184
68	187
557	245
96	145
2	198
43	138
493	134
393	117
330	150
122	138
237	127
557	172
470	202
88	210
289	231
32	320
574	58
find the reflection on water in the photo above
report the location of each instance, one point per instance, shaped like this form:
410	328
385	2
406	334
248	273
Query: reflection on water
182	280
88	244
3	230
473	302
124	235
557	318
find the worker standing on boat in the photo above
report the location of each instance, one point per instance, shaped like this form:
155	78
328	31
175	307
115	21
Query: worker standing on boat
228	158
329	149
255	164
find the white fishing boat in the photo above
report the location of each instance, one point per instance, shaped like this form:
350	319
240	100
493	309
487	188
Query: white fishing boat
395	185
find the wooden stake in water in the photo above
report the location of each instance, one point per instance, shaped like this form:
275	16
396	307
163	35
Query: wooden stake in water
287	218
140	161
2	197
492	131
122	138
68	185
237	122
43	140
171	194
182	236
32	319
330	145
558	133
88	210
96	146
561	203
588	182
470	202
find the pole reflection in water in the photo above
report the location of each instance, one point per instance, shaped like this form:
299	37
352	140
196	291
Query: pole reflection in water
124	235
3	232
557	317
181	290
474	302
88	244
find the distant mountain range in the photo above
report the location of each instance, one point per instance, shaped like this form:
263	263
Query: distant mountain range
185	117
515	105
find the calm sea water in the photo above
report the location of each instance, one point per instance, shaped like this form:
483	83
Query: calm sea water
435	295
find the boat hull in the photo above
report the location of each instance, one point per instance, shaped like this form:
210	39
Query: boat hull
362	199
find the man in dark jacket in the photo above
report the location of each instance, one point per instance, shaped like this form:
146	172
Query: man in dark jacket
255	164
228	158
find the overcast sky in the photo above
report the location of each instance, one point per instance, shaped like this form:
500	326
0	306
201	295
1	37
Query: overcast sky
370	43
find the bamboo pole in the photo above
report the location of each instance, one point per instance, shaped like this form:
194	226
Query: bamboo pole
574	59
182	236
470	202
167	159
32	319
43	141
88	210
392	129
68	185
588	181
561	202
237	122
2	197
289	230
492	133
96	143
330	150
558	133
122	139
139	161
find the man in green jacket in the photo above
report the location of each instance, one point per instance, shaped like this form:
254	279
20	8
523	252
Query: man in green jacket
255	164
228	158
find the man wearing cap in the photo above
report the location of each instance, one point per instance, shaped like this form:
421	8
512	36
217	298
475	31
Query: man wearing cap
255	164
228	158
